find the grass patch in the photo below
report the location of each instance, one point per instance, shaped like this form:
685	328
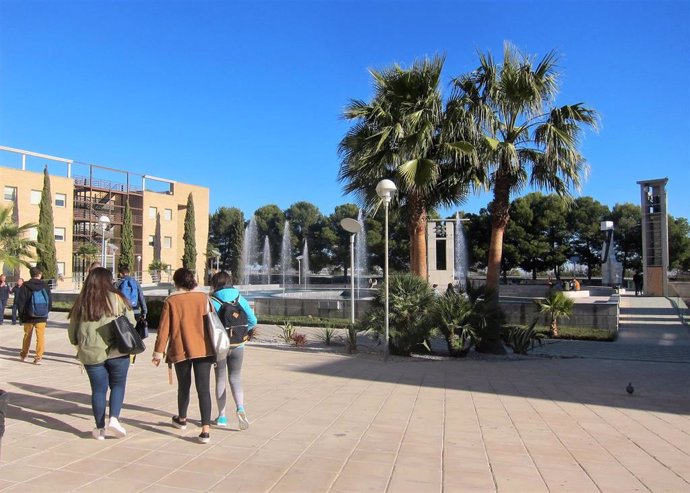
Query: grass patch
301	321
580	333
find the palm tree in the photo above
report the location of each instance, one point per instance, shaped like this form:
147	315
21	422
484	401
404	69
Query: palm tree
404	134
15	248
556	305
521	138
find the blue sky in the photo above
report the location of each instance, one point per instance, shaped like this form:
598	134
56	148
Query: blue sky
246	97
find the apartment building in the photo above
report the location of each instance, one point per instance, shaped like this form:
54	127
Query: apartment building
83	193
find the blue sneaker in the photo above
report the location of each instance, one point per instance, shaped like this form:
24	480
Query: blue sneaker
222	421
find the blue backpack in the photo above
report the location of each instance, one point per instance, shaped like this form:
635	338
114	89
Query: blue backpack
130	290
38	304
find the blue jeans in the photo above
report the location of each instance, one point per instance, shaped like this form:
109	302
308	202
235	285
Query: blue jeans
111	373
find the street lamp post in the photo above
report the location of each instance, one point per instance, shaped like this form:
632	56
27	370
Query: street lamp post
104	221
141	274
385	190
299	270
353	227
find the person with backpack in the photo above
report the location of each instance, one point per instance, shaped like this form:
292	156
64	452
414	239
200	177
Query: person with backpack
34	302
239	320
131	290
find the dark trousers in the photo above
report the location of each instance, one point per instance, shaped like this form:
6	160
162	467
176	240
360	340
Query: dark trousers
111	373
14	313
202	378
3	304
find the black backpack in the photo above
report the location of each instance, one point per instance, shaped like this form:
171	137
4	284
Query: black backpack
234	319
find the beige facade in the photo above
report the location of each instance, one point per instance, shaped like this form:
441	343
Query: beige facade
79	202
22	190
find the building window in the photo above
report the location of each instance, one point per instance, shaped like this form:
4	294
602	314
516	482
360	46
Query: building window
441	255
167	242
33	234
35	197
61	268
153	211
152	240
60	200
59	234
168	214
11	193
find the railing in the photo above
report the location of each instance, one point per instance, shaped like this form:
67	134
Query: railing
675	296
85	181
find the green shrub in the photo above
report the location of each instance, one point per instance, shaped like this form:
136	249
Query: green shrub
522	339
326	336
449	316
305	321
288	331
410	298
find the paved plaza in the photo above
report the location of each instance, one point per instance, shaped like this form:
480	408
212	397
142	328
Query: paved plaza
324	421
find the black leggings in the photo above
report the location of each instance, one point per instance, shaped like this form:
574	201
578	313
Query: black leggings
202	377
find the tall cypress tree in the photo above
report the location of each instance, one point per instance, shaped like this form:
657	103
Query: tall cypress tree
127	243
45	241
189	257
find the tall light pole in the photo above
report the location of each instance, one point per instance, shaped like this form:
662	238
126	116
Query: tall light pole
385	190
353	227
104	221
141	274
299	270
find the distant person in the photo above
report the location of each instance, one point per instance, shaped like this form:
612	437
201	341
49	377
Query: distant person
182	340
34	302
575	284
565	285
131	290
450	289
97	305
434	288
94	265
549	282
4	297
229	369
637	281
15	306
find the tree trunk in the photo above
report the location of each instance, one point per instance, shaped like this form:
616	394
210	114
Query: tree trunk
554	327
534	274
417	228
499	221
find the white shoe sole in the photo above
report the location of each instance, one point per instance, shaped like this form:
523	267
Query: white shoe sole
118	431
244	422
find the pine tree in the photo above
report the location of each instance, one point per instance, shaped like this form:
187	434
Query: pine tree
189	257
45	241
127	243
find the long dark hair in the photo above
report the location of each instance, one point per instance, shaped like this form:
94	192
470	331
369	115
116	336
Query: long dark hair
93	301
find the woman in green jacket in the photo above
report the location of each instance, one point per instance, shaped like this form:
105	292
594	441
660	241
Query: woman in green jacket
90	330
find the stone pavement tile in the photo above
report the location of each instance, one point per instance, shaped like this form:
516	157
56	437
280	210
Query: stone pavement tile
6	484
109	485
362	477
51	459
611	476
163	458
141	471
213	465
463	477
567	479
89	465
249	478
309	474
15	472
331	447
373	456
121	454
191	481
511	477
64	480
409	484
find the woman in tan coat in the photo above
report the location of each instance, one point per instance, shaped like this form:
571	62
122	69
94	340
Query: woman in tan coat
182	340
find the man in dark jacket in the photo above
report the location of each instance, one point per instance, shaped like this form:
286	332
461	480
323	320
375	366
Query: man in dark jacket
4	296
15	291
34	302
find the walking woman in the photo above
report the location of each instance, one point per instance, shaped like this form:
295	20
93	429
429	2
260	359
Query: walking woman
231	367
90	329
182	340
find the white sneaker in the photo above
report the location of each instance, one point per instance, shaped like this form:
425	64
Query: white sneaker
98	433
242	418
116	428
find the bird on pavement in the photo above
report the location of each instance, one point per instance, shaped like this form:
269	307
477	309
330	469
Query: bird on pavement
630	389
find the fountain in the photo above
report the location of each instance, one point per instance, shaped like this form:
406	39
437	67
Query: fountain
266	261
285	251
305	263
461	259
249	250
361	258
